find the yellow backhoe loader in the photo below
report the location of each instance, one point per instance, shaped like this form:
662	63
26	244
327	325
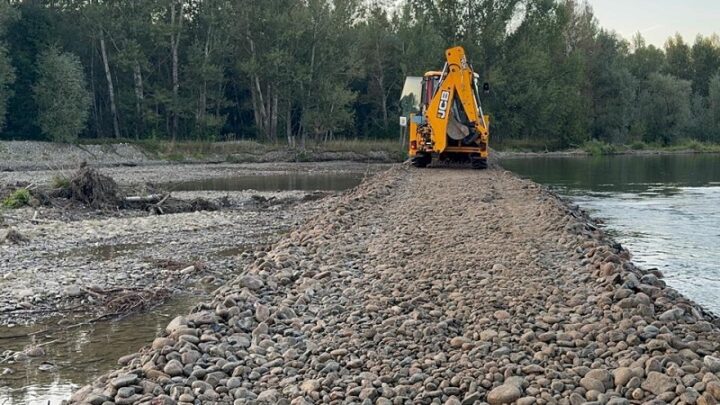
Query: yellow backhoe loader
447	122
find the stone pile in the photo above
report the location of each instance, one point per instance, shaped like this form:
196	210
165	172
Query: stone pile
435	286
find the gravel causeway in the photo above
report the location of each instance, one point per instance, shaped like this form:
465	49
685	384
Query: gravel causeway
445	286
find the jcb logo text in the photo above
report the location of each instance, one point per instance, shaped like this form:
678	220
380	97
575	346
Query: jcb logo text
444	101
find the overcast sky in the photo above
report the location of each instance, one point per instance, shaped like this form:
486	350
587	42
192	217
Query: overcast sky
659	19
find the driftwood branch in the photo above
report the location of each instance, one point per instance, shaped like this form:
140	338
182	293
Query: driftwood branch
150	199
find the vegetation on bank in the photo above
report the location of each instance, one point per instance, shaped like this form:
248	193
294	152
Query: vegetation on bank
310	71
247	151
598	148
255	151
17	199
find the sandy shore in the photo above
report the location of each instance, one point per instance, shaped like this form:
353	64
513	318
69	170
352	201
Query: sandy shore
438	286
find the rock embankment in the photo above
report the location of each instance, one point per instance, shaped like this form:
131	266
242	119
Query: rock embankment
437	286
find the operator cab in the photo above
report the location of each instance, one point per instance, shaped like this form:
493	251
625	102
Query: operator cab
431	82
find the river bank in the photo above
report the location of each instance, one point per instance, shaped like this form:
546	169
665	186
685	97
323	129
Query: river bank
64	258
514	154
50	156
497	292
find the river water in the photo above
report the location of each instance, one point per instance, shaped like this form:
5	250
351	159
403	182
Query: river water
664	209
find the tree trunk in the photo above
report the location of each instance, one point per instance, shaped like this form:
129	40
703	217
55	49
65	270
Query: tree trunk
259	112
274	117
175	29
96	113
202	104
288	125
381	85
255	99
111	89
139	100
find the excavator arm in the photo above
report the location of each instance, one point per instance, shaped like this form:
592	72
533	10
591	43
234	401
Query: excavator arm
451	122
456	85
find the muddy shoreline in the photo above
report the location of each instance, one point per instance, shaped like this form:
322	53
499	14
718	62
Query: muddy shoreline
343	309
70	258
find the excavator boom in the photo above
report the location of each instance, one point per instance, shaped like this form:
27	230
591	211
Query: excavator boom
451	124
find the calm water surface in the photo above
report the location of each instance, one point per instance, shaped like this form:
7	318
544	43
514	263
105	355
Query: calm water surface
274	182
665	209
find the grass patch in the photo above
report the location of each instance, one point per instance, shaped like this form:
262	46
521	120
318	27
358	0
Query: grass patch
598	148
18	199
248	150
638	145
60	182
695	146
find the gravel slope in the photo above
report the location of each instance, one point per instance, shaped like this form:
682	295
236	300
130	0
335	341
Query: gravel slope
436	286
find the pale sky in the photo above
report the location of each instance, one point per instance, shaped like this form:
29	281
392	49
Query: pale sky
656	20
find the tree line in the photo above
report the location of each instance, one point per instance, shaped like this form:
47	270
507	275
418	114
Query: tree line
312	70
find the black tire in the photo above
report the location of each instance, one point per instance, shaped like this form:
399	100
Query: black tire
421	160
478	163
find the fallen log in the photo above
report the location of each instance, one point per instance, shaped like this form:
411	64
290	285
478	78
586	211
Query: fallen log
149	199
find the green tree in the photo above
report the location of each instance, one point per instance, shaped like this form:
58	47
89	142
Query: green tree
26	37
61	95
665	107
713	112
645	59
7	77
679	61
379	46
613	90
7	72
705	62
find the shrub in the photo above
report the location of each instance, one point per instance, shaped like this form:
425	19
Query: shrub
638	145
19	198
60	182
597	148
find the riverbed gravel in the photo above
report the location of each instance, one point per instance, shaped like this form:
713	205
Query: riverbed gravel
437	286
67	258
168	173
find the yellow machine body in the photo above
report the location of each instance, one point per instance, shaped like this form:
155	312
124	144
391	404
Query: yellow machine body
450	124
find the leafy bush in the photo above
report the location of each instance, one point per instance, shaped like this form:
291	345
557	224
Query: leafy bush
19	198
598	148
638	145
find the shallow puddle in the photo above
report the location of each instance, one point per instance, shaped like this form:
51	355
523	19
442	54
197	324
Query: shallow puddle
75	356
102	252
234	251
110	252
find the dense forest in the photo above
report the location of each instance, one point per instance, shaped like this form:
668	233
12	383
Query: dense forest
297	70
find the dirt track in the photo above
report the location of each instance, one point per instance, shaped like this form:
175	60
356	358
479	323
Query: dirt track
437	286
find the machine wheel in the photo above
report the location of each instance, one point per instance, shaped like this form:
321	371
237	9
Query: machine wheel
478	163
421	160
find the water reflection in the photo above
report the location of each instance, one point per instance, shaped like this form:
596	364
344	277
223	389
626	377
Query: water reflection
79	353
665	209
273	182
